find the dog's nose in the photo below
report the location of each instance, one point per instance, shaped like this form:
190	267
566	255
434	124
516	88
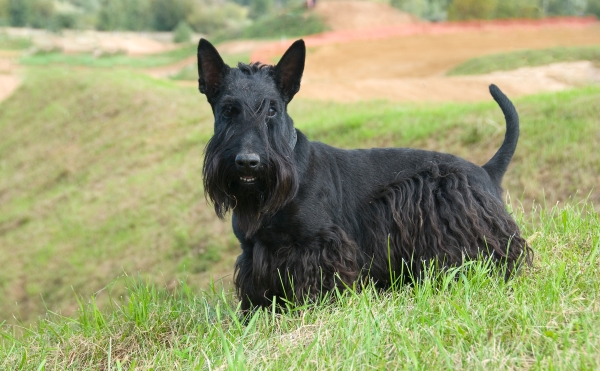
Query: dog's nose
247	161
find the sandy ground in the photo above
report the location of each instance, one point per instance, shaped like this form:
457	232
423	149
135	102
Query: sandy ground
357	15
9	78
76	41
412	68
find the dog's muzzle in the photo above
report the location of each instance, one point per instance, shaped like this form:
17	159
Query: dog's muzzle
247	163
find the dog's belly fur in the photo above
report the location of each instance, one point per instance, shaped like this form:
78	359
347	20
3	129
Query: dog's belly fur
352	203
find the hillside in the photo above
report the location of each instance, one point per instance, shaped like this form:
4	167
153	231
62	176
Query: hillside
101	174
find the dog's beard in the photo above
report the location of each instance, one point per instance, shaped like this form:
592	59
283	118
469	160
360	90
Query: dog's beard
275	186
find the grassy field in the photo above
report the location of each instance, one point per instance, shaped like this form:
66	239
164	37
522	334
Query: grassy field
526	58
465	319
101	181
101	174
8	42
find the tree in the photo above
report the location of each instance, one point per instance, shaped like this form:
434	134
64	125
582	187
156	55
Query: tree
182	33
18	12
4	14
471	9
110	16
168	13
259	8
517	9
433	10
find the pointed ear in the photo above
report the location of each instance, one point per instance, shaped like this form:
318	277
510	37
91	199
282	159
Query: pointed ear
211	69
288	72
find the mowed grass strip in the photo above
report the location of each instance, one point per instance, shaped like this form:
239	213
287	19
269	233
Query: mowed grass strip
526	58
101	174
464	319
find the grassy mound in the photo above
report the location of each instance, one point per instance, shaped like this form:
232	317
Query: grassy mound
526	58
101	174
469	318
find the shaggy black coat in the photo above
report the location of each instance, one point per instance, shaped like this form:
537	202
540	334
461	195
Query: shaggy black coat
311	217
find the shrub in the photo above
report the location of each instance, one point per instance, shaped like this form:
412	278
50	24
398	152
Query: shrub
214	18
433	10
471	9
182	33
288	24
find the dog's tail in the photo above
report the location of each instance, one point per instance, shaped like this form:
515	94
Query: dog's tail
497	165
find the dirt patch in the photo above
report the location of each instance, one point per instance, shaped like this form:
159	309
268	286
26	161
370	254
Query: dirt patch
523	81
358	15
86	41
9	78
412	68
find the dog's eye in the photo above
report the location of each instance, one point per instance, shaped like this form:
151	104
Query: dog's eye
272	112
229	111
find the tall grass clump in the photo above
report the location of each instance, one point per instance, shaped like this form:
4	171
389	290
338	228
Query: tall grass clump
465	318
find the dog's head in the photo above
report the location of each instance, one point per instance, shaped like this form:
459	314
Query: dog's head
249	163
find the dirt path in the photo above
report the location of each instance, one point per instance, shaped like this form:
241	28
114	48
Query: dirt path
360	15
412	68
9	79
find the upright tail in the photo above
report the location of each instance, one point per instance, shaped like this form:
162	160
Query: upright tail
497	165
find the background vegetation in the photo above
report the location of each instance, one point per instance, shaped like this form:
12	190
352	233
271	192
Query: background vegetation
226	19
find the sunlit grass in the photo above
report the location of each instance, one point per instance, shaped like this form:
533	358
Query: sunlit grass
469	318
9	42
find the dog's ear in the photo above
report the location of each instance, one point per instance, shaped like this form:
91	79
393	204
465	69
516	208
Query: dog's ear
211	69
288	72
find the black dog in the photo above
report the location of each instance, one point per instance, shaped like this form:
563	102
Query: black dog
311	217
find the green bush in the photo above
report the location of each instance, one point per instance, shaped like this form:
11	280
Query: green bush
260	8
289	24
471	9
593	8
182	33
212	18
517	9
433	10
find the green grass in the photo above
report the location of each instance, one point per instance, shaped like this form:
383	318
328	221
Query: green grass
109	60
101	174
465	319
8	42
526	58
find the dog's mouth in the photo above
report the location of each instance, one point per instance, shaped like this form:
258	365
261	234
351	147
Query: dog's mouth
247	179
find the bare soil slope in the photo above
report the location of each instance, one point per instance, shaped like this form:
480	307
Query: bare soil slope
9	80
356	15
412	68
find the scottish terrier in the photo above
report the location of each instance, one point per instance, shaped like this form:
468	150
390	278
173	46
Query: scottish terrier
311	218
